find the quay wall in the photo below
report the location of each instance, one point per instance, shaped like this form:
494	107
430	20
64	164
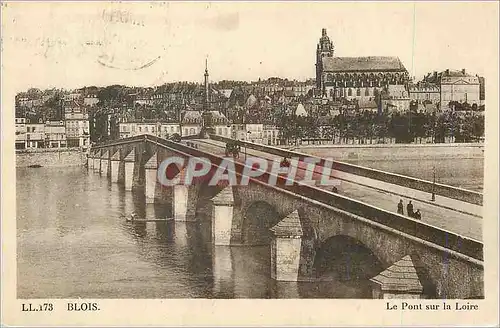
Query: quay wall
51	157
396	151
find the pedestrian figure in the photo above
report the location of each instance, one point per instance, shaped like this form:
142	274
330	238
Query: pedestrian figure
418	215
400	207
409	209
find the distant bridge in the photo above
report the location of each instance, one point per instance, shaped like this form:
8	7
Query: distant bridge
311	229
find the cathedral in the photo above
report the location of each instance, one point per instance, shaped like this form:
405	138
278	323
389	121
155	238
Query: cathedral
361	78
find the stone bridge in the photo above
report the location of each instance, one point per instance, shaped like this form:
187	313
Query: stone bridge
314	234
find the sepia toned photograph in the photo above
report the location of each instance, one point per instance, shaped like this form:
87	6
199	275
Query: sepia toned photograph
174	150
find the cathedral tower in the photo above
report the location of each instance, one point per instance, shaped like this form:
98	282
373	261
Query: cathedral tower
324	49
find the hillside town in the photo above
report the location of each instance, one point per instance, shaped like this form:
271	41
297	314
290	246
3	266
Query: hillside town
352	100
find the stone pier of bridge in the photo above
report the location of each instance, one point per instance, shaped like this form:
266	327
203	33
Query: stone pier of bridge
304	237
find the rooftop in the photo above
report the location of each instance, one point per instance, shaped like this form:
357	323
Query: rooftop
401	276
455	73
191	116
355	64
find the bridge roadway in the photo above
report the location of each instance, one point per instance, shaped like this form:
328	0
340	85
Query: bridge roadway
446	213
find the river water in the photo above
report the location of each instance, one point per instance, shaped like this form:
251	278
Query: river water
73	241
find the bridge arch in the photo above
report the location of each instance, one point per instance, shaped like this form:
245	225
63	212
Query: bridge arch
344	258
205	193
258	218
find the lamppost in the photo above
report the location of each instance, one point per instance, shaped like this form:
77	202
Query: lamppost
248	133
433	183
158	133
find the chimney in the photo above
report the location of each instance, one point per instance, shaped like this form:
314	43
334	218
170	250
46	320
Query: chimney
323	32
447	72
463	71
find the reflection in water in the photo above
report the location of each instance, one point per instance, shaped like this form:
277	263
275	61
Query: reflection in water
73	241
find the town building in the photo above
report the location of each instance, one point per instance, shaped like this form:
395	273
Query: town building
191	123
35	135
425	93
20	132
168	129
395	99
459	86
152	127
481	91
252	132
77	125
366	105
144	100
55	134
73	96
455	86
271	135
354	77
29	102
90	100
220	124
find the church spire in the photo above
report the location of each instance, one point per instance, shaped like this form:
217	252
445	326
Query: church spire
206	98
325	46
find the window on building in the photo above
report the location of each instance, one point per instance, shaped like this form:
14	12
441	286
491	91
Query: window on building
367	92
349	92
358	92
140	129
186	131
145	129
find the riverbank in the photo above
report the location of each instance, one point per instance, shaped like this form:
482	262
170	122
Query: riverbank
60	157
386	152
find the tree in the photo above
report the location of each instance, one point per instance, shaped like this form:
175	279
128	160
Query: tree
399	128
478	126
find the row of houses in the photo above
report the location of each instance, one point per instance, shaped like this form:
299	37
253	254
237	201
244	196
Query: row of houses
50	134
191	125
71	132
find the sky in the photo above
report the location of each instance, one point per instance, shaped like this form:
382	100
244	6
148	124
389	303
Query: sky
70	45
